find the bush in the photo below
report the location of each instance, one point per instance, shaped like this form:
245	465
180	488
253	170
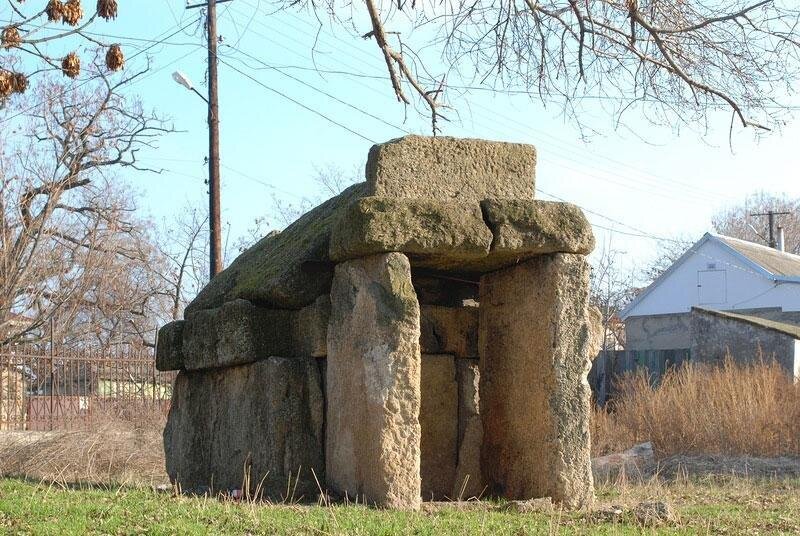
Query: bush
732	409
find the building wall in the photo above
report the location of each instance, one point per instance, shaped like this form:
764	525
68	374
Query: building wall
714	337
672	331
744	287
657	332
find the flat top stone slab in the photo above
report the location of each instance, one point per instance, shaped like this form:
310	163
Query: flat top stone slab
449	231
447	168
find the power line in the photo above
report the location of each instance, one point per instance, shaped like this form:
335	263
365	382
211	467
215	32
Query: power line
679	190
298	103
334	97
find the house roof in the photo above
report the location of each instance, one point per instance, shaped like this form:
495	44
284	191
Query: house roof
780	327
776	262
777	265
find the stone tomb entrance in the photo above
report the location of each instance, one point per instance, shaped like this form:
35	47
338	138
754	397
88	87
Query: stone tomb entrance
423	335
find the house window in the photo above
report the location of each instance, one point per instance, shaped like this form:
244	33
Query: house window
711	287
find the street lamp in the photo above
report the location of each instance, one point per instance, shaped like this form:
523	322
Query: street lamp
214	223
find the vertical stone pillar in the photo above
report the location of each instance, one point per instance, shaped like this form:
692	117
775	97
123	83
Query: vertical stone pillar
535	341
439	421
373	383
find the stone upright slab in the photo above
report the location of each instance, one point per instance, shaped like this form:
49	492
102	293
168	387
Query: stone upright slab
373	383
439	421
535	338
256	427
444	168
468	482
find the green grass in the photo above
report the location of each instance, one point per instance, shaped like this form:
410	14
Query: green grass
730	506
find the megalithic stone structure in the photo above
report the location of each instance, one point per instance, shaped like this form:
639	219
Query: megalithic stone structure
423	335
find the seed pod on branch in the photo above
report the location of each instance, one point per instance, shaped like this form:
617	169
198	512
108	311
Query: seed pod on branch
71	65
6	84
72	13
10	38
54	10
107	9
19	82
115	59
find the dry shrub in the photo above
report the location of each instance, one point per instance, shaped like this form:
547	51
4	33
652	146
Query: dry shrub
734	409
125	449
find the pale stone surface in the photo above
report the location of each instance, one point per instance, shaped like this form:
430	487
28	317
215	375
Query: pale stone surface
435	233
449	330
310	328
535	337
419	167
525	227
630	464
438	418
264	419
235	334
169	348
286	270
373	383
468	480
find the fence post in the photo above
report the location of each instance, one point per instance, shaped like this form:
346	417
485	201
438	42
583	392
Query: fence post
52	374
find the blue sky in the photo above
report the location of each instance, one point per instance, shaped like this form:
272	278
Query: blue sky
667	187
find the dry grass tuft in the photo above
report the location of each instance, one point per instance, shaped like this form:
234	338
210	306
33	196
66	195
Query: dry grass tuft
733	409
116	450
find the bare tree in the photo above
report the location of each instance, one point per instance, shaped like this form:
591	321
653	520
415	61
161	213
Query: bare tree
26	33
674	60
611	290
739	222
184	247
72	250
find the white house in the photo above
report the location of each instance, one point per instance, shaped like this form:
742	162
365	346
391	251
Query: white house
719	273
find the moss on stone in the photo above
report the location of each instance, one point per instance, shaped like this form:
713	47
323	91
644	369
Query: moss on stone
289	269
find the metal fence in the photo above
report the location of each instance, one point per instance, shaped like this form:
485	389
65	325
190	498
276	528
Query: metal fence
610	365
40	390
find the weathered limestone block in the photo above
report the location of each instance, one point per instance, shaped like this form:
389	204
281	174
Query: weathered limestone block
373	383
438	418
235	334
468	481
449	330
437	234
286	270
232	427
444	168
524	228
169	347
310	328
535	337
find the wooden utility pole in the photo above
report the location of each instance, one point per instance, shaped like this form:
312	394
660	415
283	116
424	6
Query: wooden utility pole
214	217
771	218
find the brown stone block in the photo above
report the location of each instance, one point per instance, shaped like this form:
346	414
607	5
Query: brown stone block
438	419
263	420
449	330
535	338
468	481
444	168
373	383
169	348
